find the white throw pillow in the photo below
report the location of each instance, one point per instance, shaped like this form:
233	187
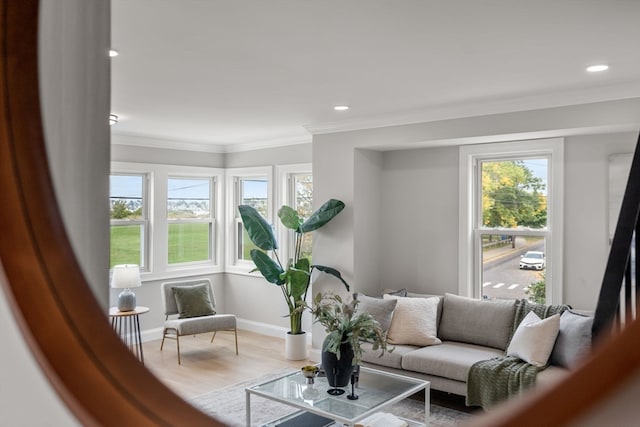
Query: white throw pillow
414	321
534	339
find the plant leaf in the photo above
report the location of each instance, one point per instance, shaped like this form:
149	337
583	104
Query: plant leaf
322	216
289	218
298	283
333	272
267	266
258	229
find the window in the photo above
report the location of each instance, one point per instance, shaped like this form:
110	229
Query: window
163	217
301	187
129	219
250	186
511	221
189	218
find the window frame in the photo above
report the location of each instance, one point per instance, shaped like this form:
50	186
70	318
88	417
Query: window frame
158	257
233	176
144	262
211	220
286	196
470	269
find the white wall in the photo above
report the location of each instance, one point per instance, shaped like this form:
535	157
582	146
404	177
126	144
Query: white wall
420	222
74	40
164	156
586	222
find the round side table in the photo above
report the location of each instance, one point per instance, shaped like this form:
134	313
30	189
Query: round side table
127	326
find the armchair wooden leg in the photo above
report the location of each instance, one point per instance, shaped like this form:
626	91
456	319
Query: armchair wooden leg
164	334
214	335
178	345
235	332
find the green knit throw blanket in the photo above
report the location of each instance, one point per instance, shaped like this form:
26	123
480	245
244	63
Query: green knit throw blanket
497	379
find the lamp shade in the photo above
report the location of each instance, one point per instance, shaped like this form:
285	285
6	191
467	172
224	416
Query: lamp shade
125	276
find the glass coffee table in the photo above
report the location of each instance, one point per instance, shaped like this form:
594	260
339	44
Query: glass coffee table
375	390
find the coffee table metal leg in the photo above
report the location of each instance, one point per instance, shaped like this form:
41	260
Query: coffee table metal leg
248	408
427	404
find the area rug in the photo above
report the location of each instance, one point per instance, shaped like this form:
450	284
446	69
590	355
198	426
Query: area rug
228	406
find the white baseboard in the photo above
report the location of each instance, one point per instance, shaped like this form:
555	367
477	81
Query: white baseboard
243	324
151	334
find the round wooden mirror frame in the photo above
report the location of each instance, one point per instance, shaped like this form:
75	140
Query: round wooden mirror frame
68	332
97	377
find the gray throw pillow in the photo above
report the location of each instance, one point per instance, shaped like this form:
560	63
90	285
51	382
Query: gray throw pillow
193	301
381	310
574	339
474	321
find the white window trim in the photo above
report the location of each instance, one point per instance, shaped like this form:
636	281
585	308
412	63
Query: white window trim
283	197
232	264
146	221
469	267
158	174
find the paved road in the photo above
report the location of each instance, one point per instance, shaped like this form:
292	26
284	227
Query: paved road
502	278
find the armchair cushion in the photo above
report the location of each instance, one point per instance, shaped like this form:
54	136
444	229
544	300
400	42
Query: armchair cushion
193	301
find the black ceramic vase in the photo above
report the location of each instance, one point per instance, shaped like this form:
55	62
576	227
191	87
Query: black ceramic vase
338	372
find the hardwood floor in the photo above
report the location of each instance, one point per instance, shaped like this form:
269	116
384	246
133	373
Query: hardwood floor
209	366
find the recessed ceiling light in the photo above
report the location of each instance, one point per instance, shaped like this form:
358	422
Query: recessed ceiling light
113	53
597	68
113	119
341	107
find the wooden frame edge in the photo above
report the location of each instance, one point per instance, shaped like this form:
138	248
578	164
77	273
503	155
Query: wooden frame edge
94	373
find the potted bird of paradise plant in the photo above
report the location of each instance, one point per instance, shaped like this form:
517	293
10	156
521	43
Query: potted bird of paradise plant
294	275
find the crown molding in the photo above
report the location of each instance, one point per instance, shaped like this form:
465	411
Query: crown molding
170	144
136	140
483	107
267	143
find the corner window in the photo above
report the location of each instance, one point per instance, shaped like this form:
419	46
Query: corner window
189	220
511	221
296	190
128	219
250	186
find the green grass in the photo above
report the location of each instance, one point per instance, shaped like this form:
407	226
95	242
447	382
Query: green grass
125	245
187	243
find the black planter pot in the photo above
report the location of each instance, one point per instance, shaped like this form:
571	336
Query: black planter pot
338	372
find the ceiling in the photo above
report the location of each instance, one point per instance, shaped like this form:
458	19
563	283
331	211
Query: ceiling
237	72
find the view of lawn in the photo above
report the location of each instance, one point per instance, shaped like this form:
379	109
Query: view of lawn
125	245
187	243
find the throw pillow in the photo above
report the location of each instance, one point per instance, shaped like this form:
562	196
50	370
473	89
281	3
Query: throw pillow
193	300
574	339
413	321
474	321
381	310
533	340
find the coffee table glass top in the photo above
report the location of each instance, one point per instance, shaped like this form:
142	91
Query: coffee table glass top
375	389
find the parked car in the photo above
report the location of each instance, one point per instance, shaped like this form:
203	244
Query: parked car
533	260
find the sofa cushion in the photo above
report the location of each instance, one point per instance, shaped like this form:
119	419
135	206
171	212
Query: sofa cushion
391	359
380	309
193	301
481	322
414	321
533	340
449	359
574	339
202	324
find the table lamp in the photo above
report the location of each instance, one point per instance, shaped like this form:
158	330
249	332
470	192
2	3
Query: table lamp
126	276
